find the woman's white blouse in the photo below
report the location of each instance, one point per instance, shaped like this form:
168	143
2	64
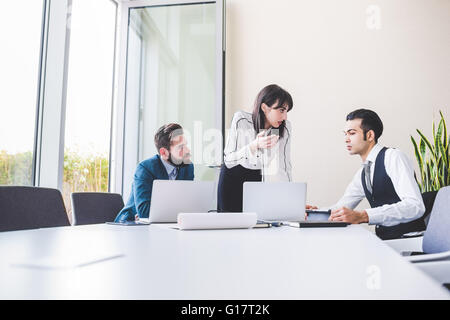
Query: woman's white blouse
275	163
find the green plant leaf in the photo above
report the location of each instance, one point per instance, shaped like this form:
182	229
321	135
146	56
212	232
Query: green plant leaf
445	130
433	171
448	178
429	177
447	155
420	163
445	176
435	165
434	131
438	138
443	153
439	172
418	154
422	148
430	147
445	143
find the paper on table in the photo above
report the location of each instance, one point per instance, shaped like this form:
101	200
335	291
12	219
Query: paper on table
66	261
212	220
429	257
166	226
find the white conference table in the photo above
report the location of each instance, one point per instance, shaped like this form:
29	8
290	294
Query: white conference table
158	262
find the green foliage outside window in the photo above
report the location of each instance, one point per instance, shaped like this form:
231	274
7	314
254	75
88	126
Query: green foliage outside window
88	173
15	169
81	173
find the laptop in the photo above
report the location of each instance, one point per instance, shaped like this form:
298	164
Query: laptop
170	197
275	201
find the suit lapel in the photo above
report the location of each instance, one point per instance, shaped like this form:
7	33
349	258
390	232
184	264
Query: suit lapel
162	170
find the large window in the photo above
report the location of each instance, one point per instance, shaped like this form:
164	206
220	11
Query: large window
89	97
57	78
20	35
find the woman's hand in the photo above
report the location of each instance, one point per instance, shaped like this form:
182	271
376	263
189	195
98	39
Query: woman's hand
263	142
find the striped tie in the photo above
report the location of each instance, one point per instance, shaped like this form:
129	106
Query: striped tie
367	175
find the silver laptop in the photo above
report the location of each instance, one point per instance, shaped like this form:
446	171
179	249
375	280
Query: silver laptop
275	201
170	197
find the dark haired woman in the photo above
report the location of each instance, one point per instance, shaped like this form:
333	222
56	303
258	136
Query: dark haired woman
257	148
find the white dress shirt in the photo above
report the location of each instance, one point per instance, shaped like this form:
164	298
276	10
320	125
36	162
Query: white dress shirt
172	171
275	163
400	170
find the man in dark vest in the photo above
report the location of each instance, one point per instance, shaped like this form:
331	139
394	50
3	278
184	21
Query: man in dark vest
386	180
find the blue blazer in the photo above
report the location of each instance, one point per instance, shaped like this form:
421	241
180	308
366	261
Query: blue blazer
141	190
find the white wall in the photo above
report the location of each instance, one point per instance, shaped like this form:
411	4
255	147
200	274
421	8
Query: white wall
331	61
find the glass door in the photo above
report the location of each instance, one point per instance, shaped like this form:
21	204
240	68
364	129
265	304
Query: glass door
174	59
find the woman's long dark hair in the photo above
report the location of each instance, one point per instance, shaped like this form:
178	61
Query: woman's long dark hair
270	95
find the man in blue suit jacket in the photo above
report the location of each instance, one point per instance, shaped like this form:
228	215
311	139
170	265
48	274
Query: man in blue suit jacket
172	163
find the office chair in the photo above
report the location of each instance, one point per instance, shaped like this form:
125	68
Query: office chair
435	238
434	246
438	270
428	200
30	208
95	207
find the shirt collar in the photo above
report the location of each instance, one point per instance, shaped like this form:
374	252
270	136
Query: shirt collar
169	167
373	153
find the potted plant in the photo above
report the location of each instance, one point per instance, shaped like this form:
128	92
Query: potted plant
433	160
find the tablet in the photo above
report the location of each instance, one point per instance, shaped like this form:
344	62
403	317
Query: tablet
318	224
308	211
318	215
322	224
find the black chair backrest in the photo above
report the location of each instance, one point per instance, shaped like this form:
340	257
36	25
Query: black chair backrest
428	201
95	207
30	208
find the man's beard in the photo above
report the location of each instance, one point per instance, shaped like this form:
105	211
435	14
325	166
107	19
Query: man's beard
178	164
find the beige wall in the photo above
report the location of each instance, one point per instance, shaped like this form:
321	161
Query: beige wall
326	56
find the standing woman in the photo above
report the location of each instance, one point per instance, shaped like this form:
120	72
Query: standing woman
258	147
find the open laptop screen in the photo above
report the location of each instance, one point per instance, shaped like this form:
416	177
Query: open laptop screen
278	201
170	197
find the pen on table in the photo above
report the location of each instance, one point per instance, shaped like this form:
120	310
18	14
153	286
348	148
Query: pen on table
272	223
276	224
262	225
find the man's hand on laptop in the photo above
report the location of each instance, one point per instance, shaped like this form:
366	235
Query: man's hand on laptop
309	207
348	215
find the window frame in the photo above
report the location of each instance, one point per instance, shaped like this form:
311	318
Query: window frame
48	162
